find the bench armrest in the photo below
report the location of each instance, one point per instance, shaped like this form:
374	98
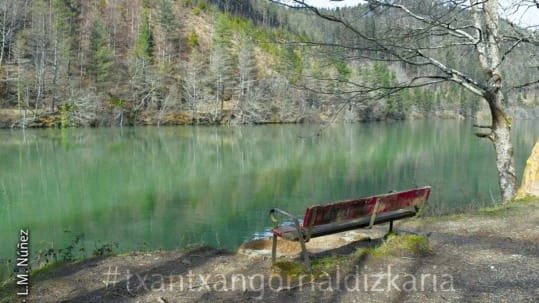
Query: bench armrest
299	230
282	212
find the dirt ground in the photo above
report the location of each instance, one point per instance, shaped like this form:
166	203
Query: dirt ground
488	256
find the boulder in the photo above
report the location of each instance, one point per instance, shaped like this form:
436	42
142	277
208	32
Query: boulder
530	178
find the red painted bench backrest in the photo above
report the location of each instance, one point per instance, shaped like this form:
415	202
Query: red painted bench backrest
343	211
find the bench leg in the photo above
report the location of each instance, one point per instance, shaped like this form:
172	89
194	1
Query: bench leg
303	247
274	249
305	254
390	230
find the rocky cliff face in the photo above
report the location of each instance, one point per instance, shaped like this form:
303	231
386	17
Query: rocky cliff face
530	179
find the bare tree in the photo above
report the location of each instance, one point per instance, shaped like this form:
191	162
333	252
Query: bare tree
194	83
10	15
418	31
247	70
41	45
219	68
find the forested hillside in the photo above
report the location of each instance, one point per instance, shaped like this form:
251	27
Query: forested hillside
143	62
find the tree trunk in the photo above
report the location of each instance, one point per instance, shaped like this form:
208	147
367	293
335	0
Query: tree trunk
486	18
501	137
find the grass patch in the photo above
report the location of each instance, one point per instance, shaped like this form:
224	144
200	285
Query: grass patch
328	264
7	297
505	209
396	245
193	247
45	269
527	199
497	210
321	267
291	269
8	288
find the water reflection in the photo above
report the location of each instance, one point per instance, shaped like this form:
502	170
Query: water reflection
168	187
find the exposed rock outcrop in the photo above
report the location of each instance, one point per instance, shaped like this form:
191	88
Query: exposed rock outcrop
530	178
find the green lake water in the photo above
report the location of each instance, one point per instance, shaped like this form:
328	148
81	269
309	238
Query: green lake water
163	188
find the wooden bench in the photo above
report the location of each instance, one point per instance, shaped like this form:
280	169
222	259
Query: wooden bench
321	220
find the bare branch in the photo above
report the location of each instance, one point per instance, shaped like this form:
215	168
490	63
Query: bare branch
458	77
488	135
524	85
508	51
459	33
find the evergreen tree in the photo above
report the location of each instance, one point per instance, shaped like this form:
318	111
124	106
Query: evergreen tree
247	69
222	63
193	83
145	43
100	55
67	14
193	39
248	82
166	16
292	64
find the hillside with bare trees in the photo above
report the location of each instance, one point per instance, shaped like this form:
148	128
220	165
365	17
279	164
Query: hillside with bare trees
70	63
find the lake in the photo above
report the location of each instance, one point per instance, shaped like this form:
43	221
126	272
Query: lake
162	188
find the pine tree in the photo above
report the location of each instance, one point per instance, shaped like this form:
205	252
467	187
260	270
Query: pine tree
145	43
193	39
67	14
222	63
247	69
166	16
100	55
193	82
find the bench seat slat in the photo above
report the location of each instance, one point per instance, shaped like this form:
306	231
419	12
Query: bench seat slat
290	232
343	211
